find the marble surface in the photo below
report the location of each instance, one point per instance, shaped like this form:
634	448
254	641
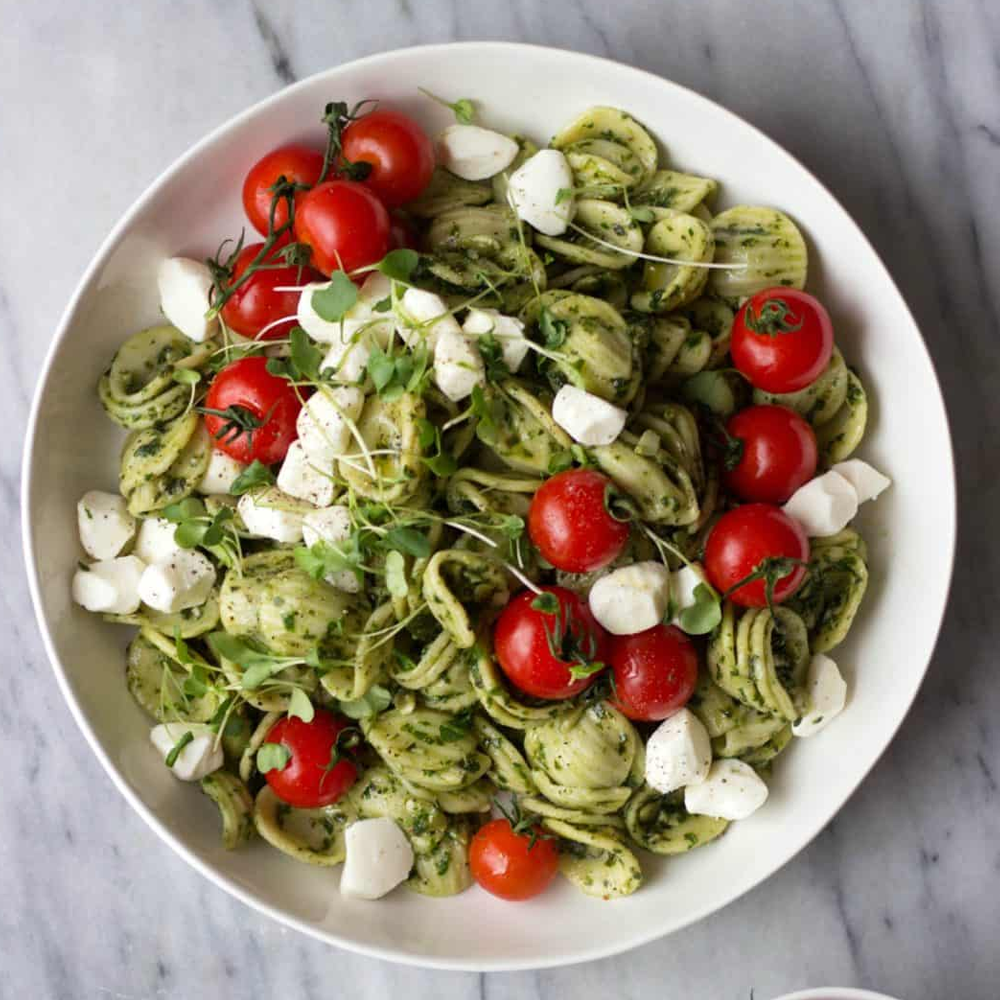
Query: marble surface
894	106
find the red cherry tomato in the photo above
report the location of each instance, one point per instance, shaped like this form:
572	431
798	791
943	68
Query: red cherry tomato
570	524
296	163
775	451
308	781
402	233
399	151
655	672
521	640
272	400
508	865
782	340
344	224
255	308
739	543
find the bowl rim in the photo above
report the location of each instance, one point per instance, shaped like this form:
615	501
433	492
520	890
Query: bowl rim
583	954
835	993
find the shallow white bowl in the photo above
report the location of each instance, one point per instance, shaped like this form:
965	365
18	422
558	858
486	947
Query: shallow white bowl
73	447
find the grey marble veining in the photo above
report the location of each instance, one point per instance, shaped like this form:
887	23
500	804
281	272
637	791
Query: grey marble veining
895	106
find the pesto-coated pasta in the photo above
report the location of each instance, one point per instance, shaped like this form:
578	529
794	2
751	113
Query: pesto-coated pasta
315	836
820	402
343	574
235	807
675	190
596	859
584	760
760	659
668	286
139	391
598	355
604	234
661	824
479	579
768	245
162	466
420	748
836	581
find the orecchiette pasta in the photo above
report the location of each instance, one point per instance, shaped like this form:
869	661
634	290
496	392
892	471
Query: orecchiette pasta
357	583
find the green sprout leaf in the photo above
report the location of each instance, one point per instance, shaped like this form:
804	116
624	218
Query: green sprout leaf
300	706
426	433
376	699
183	511
196	683
187	376
258	664
333	301
254	475
704	615
486	410
272	757
492	351
463	109
440	462
381	368
399	265
196	528
181	652
305	356
394	374
409	540
512	527
324	558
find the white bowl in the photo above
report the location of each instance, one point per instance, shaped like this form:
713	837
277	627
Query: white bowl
835	993
72	447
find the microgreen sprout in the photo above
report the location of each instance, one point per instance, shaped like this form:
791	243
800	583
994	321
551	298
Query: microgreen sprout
196	528
463	109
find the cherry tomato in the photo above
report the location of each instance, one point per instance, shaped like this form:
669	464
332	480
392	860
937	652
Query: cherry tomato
775	451
508	865
655	672
399	151
296	163
740	542
522	637
261	396
782	340
255	308
402	233
308	781
344	224
570	524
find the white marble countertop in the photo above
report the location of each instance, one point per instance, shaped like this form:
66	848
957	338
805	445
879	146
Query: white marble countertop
894	105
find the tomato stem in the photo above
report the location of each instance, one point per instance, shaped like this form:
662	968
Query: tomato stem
771	319
336	117
290	255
